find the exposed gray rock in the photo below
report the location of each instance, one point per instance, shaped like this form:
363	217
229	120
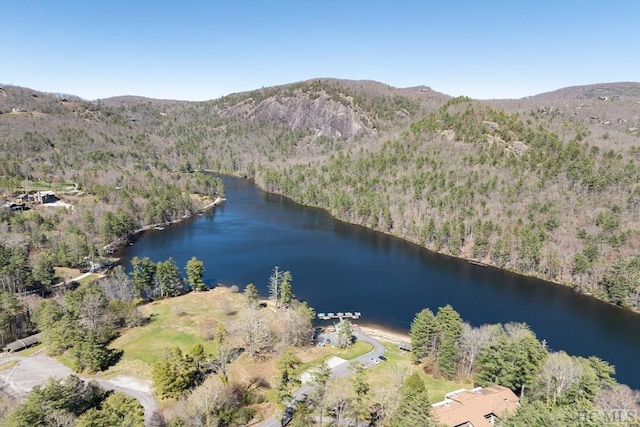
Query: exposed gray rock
518	148
301	111
491	125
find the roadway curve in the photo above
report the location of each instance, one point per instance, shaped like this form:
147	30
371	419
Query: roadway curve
341	370
26	372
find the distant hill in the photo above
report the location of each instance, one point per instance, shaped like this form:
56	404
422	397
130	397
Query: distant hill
610	90
547	185
128	100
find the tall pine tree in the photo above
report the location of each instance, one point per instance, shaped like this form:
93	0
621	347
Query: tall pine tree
449	329
424	330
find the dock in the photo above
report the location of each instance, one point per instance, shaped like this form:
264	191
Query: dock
340	315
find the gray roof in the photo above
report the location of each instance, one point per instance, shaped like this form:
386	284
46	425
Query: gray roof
23	343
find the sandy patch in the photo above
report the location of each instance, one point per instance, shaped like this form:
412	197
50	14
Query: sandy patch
384	334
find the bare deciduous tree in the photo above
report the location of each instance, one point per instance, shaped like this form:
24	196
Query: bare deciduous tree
297	325
340	406
274	285
471	342
117	285
91	310
253	330
558	374
619	398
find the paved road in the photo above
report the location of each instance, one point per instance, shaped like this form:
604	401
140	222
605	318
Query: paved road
31	371
340	370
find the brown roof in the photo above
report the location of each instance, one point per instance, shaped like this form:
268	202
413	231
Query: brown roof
471	406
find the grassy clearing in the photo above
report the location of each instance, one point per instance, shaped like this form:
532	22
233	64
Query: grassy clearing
185	321
357	349
176	322
7	365
320	354
89	279
66	273
382	375
31	350
438	387
65	360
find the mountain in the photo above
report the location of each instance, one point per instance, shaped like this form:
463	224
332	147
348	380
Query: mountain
547	185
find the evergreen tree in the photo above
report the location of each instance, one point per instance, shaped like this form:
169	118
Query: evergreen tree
344	329
450	328
142	275
287	377
251	293
195	274
361	387
168	275
513	360
424	331
622	280
174	376
90	354
286	290
43	270
414	406
116	410
67	398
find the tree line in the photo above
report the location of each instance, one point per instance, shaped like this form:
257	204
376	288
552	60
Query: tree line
479	183
553	386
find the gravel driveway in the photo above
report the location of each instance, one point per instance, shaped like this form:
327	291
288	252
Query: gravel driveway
28	372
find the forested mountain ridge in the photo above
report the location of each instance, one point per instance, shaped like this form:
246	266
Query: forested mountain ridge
547	185
110	175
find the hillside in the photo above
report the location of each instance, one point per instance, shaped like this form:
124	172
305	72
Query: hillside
546	185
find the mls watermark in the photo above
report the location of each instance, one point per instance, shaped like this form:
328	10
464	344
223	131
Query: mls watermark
617	416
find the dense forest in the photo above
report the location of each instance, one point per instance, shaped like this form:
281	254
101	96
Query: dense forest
479	183
545	186
112	179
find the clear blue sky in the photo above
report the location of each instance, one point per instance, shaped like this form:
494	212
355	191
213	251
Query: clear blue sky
200	50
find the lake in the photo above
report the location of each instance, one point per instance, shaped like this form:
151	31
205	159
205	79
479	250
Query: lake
342	267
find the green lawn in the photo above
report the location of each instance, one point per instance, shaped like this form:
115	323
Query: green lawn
31	350
174	322
380	375
357	349
88	279
7	365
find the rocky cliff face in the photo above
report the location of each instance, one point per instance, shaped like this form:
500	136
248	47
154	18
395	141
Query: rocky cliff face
317	112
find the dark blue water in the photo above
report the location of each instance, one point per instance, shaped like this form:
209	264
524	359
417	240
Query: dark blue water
342	267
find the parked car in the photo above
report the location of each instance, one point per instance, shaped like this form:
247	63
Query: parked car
288	416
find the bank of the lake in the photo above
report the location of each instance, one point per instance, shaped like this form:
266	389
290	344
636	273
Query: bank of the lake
484	262
118	244
342	267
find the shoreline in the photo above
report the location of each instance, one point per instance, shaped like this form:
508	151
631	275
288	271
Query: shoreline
473	261
385	334
120	243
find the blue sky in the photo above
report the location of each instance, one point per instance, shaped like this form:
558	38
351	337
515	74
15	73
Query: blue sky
200	50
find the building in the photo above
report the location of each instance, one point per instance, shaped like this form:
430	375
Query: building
479	407
25	342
